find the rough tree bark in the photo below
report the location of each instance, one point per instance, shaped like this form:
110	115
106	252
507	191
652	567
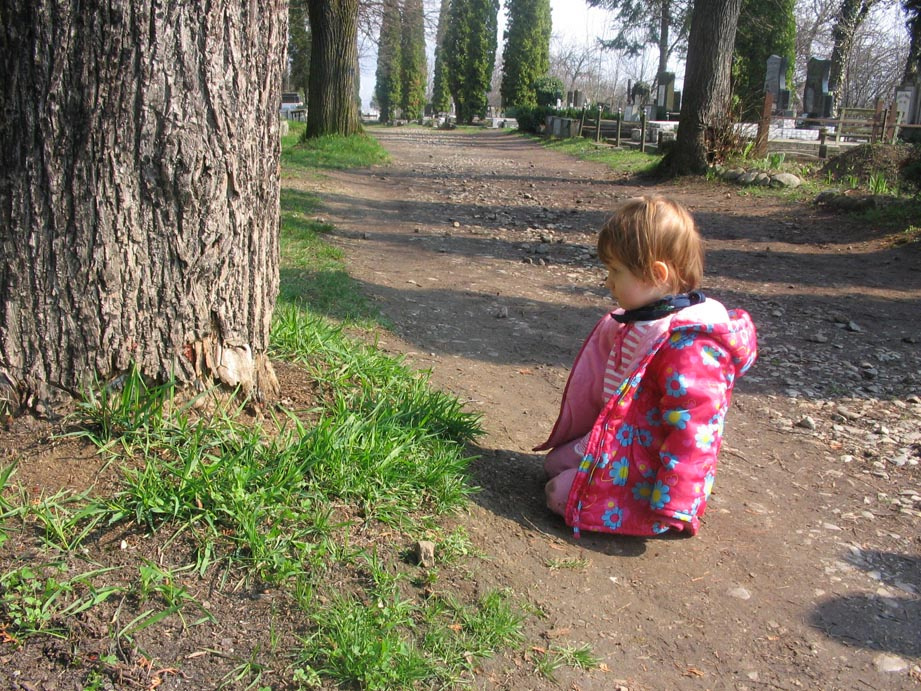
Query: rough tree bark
850	16
705	99
139	189
331	104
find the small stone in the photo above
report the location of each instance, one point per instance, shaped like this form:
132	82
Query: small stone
890	663
806	423
819	338
425	553
502	313
854	326
740	593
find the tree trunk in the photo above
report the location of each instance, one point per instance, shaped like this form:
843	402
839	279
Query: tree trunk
331	106
664	26
850	16
705	98
138	192
913	61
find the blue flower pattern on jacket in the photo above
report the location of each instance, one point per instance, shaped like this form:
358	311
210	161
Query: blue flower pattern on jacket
620	471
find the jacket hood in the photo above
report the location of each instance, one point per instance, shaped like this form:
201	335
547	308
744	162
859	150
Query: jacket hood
732	329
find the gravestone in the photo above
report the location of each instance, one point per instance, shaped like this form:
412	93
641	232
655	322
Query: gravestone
578	99
908	104
665	95
817	102
775	83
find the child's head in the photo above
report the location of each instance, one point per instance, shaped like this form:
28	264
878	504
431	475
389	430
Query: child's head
647	230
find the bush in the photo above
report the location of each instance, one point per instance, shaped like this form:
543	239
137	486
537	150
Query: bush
531	118
549	90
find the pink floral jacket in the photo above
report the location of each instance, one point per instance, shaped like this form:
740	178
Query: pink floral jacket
652	451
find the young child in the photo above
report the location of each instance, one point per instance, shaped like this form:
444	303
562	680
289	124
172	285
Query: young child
634	448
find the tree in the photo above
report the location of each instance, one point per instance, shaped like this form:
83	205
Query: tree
387	87
414	70
766	27
470	47
441	94
548	90
850	16
663	23
298	46
706	98
138	193
527	50
331	104
913	23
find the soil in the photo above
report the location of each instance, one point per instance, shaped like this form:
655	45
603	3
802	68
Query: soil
479	249
807	571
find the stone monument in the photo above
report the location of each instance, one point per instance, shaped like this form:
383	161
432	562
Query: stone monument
775	83
817	102
665	95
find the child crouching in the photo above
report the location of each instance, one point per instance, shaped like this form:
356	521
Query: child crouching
634	449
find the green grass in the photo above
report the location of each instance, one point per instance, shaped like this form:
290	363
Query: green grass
330	152
631	161
319	504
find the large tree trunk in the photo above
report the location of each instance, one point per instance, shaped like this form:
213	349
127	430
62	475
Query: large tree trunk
705	97
331	105
139	187
851	15
913	23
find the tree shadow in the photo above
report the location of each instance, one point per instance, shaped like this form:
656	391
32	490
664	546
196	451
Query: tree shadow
873	621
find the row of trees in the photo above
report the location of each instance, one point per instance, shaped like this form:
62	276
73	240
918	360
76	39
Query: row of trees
864	55
465	50
402	67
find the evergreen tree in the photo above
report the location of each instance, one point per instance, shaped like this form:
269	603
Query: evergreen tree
414	72
470	51
527	50
766	27
387	88
441	95
663	23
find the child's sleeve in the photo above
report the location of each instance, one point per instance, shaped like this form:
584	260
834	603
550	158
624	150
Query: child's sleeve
693	375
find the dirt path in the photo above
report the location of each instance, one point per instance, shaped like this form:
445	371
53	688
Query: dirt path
807	572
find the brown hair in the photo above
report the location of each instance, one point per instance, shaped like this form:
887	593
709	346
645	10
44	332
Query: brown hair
645	230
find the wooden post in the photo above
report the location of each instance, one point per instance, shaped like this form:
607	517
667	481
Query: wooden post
823	146
598	128
582	120
886	124
764	126
879	118
620	119
643	131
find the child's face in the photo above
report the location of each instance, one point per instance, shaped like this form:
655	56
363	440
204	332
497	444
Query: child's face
630	290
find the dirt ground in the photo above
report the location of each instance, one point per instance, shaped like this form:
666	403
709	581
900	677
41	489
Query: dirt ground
478	247
807	571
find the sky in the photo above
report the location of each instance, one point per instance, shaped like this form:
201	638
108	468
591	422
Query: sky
572	20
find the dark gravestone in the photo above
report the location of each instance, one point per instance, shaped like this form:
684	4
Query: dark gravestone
775	82
817	101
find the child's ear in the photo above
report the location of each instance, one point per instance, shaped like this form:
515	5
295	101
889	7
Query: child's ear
660	272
